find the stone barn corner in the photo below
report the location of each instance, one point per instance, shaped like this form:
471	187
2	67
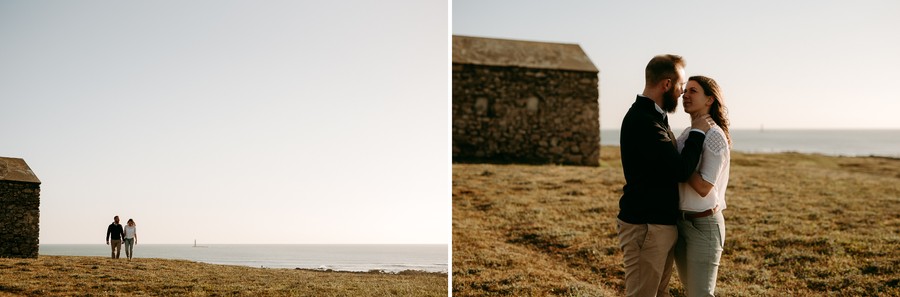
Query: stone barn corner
20	192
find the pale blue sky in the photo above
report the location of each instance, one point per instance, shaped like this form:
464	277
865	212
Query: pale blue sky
782	64
231	121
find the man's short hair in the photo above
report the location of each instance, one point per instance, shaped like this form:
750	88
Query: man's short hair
663	67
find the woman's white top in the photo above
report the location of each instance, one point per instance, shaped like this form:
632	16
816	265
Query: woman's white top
130	231
715	163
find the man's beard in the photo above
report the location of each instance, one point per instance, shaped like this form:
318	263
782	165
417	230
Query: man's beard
670	101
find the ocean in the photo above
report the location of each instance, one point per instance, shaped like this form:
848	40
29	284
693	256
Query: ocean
389	258
884	143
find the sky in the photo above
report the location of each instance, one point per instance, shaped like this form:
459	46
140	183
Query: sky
781	64
232	122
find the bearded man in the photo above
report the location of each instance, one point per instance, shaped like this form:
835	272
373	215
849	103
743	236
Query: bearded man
653	168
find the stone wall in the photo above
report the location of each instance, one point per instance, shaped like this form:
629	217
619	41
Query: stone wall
525	115
19	219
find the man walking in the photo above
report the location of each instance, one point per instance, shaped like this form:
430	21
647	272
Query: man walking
653	167
115	232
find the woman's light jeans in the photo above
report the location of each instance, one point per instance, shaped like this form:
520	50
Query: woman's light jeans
697	253
129	247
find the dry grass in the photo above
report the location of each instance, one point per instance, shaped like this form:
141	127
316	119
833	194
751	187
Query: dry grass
797	225
95	276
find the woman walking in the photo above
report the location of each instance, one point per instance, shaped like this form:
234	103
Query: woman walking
130	238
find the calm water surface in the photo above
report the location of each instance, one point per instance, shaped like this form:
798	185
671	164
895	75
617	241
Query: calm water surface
392	258
884	143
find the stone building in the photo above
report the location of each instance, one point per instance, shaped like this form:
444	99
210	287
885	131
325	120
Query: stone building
20	193
524	102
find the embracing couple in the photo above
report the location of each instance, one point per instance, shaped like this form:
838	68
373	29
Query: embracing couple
674	194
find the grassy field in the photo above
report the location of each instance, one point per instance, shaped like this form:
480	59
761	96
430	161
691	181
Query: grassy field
95	276
797	225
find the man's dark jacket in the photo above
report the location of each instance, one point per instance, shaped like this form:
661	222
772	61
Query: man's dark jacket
652	165
115	231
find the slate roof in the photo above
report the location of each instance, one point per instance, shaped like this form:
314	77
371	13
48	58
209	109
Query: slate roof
15	169
520	53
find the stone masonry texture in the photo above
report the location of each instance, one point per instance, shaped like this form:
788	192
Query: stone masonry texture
525	115
19	219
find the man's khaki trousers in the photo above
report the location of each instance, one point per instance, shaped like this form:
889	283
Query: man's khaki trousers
649	254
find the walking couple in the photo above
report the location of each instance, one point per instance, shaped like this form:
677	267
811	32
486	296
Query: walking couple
115	234
674	194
